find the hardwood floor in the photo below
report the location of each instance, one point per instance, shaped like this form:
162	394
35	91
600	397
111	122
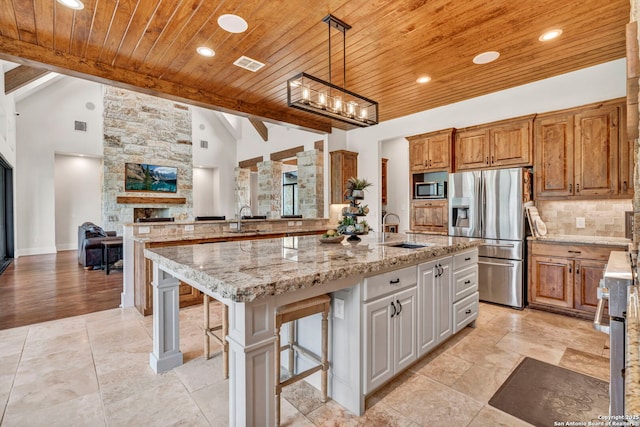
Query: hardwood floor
40	288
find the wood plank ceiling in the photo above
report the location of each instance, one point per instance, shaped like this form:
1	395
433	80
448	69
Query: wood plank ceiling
150	46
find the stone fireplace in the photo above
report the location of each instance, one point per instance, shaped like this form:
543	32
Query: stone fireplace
151	213
144	129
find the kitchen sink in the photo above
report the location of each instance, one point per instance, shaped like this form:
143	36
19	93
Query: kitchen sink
408	245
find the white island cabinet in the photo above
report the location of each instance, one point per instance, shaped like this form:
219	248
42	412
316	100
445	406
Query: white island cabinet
389	325
434	295
255	277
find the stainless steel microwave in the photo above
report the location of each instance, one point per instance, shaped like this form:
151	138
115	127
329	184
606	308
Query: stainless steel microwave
430	190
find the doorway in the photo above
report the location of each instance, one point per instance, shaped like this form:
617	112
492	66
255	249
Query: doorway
6	214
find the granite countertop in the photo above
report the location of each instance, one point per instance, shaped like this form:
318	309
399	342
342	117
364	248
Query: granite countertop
219	221
584	240
223	234
247	270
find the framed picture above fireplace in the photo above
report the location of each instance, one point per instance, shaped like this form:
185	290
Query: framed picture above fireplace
144	177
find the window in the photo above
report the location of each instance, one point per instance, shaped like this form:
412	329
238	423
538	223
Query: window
290	193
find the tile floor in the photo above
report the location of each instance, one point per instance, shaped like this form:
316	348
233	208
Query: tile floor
93	370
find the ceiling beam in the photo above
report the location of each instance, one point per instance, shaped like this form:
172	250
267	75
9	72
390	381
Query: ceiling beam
260	128
65	63
286	154
21	76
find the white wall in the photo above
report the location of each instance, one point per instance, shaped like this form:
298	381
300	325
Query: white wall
208	125
598	83
398	186
251	145
203	191
46	126
75	178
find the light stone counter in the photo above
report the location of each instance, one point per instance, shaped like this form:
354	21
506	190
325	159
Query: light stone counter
247	270
632	368
620	242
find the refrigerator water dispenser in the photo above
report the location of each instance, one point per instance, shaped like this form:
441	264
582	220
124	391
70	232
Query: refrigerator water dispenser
461	216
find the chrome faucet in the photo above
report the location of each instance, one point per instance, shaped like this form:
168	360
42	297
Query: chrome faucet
384	222
239	228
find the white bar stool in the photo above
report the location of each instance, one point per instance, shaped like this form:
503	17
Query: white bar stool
291	313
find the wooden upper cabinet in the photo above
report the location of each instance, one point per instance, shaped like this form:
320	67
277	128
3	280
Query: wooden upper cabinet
507	143
472	149
554	156
596	152
344	165
431	151
581	153
511	144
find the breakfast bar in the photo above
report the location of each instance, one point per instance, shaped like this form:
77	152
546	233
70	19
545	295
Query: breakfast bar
255	277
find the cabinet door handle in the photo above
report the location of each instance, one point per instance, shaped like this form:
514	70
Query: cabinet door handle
570	270
577	188
429	163
466	282
468	259
487	160
468	311
426	162
394	309
575	252
394	282
570	188
491	159
399	306
577	270
624	185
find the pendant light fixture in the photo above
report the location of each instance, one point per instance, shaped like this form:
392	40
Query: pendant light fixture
309	93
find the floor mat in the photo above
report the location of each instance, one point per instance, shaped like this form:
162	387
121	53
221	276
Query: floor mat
547	395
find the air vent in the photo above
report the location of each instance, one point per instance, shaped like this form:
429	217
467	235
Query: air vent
248	63
204	144
82	126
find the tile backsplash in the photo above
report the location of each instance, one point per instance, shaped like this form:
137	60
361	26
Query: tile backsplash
602	217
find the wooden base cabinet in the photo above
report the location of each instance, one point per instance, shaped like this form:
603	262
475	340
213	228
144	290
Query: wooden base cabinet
564	278
430	215
389	325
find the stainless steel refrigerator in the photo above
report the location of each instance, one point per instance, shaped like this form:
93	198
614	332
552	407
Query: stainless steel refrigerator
489	204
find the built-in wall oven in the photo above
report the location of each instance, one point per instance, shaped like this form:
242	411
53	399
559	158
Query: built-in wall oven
614	286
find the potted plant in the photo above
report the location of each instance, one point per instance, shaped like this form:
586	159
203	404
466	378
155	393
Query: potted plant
356	186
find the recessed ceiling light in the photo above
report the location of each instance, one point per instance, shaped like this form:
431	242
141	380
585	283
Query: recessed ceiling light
423	79
550	35
232	23
486	57
205	51
72	4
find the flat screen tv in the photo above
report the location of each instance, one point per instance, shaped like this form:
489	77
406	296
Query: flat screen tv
143	177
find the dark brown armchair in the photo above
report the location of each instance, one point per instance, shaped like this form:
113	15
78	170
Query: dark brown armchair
90	238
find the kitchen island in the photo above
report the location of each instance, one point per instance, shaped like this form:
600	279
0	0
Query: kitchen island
254	277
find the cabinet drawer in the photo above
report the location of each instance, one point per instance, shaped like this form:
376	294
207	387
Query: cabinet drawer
465	282
465	259
390	282
600	253
465	311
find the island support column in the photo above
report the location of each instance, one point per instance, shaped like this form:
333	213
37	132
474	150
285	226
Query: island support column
166	353
251	359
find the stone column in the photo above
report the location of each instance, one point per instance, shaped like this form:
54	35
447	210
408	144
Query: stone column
243	187
310	183
269	189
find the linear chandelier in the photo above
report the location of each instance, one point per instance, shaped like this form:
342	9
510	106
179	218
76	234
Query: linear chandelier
309	93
